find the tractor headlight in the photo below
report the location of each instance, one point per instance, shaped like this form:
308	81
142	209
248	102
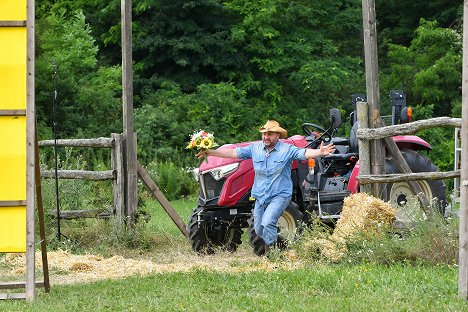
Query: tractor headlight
195	172
221	172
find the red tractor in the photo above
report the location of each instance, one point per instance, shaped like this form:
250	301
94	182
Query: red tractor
319	186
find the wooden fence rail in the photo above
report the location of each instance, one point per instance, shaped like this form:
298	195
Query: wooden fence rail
97	142
80	174
408	128
365	134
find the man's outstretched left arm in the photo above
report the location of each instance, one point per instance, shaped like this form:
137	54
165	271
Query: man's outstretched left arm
324	150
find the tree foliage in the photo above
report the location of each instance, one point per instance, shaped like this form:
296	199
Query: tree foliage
227	66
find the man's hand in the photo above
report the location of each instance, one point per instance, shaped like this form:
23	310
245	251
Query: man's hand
202	154
327	149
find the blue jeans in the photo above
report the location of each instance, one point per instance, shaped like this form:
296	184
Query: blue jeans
266	216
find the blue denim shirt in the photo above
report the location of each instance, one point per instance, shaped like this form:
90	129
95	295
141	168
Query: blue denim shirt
272	169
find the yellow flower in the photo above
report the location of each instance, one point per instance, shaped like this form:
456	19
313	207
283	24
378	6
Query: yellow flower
206	143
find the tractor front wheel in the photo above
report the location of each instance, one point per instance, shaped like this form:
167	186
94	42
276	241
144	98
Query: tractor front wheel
206	238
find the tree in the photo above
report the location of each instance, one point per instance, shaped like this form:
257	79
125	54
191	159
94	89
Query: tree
88	96
429	70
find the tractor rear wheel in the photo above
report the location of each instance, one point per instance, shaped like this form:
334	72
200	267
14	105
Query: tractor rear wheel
288	226
401	196
206	238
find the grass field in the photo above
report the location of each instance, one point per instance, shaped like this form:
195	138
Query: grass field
322	288
258	285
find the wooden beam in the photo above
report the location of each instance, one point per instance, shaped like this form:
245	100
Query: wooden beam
78	214
118	188
30	153
97	142
377	154
15	296
12	203
40	216
12	23
364	147
80	174
463	232
17	285
391	178
408	128
127	97
145	177
12	112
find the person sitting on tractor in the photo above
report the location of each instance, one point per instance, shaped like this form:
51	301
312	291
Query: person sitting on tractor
273	185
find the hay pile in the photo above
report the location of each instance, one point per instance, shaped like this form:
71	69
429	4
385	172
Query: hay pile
362	216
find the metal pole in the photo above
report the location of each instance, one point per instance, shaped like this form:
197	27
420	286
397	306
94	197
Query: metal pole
54	121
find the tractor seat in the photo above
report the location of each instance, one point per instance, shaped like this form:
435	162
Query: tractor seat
340	141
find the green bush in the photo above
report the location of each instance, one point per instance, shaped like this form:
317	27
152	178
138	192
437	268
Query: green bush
173	181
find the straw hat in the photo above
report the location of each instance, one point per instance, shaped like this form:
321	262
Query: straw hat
273	126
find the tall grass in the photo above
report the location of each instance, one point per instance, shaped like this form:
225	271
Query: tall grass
434	241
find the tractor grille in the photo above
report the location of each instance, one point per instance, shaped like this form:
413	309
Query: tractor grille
209	187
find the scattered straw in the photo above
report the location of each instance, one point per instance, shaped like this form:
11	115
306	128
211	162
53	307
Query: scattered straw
67	268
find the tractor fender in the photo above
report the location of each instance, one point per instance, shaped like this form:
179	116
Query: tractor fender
411	142
353	183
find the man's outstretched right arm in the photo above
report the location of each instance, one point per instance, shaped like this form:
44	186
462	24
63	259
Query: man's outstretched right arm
223	153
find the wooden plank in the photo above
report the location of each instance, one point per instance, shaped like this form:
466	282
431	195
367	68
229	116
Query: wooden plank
12	203
40	216
78	214
391	178
127	102
80	174
17	285
145	177
364	152
12	23
118	189
96	142
377	154
463	231
12	112
30	154
408	128
15	296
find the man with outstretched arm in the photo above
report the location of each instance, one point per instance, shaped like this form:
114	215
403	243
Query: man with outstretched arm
273	186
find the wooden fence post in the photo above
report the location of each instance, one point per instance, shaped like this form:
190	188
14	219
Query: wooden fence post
131	198
118	189
463	243
364	152
377	160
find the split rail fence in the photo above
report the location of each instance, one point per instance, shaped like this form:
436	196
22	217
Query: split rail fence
365	134
115	174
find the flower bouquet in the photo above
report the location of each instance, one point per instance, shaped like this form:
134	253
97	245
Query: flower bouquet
202	140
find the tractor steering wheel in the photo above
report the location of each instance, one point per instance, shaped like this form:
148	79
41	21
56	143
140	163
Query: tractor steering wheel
323	136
